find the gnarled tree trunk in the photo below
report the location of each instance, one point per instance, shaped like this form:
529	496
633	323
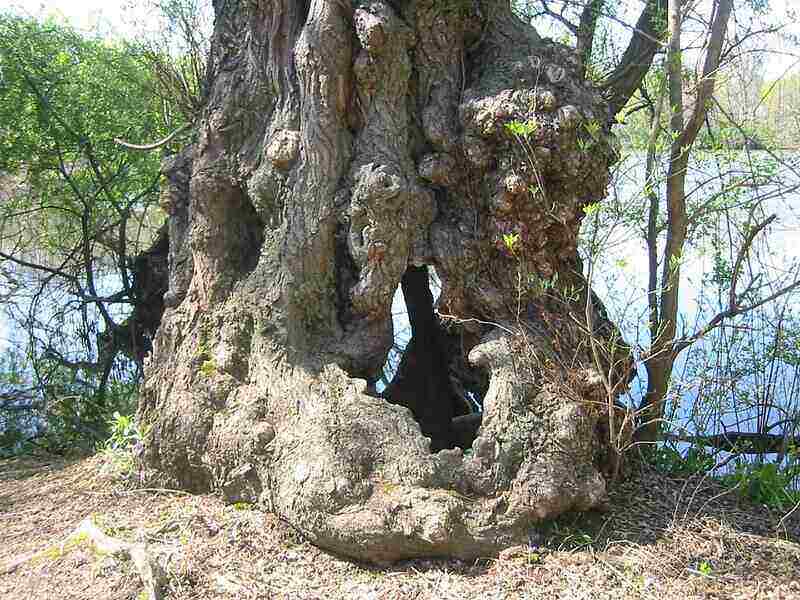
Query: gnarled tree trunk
343	151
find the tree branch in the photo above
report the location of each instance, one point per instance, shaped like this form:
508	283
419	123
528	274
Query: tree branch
586	30
740	442
734	307
652	214
705	87
638	57
157	144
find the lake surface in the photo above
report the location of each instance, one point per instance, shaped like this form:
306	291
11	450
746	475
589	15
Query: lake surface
621	281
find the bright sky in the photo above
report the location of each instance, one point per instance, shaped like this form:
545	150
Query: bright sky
115	16
83	14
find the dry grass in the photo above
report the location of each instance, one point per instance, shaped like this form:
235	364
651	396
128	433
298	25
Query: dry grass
661	538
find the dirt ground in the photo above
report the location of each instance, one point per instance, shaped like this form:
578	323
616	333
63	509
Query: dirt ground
660	538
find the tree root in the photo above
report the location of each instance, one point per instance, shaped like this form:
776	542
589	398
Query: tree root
144	559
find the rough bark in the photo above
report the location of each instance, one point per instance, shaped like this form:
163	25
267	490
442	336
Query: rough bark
342	150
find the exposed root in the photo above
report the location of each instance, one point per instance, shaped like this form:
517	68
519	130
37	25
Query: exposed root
143	556
17	562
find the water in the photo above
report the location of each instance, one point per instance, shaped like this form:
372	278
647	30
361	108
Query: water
48	321
620	280
731	380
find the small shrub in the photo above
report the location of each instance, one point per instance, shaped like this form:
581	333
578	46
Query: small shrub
705	568
124	436
669	461
769	484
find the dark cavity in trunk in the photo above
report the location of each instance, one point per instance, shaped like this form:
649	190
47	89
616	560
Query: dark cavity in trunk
426	382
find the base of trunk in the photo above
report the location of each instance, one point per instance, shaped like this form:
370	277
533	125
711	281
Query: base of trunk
354	472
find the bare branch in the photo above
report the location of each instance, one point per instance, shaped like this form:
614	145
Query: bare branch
546	10
38	267
739	442
157	144
734	308
742	254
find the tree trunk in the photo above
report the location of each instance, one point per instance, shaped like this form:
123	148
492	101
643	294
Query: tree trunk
664	321
341	153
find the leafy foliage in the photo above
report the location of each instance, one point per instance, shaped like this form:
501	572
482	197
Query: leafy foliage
77	207
63	112
124	435
670	461
768	483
